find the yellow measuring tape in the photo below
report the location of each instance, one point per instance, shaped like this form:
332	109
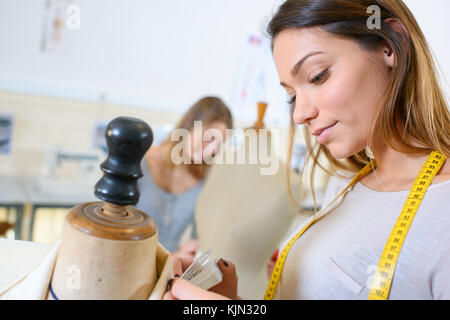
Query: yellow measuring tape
384	274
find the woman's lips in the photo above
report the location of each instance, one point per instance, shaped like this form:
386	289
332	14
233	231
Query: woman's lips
325	134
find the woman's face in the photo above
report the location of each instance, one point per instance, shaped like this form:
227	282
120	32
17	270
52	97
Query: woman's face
336	89
206	142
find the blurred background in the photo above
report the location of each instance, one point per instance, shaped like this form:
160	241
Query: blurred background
67	67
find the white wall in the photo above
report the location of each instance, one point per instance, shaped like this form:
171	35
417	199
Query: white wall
433	18
153	53
163	53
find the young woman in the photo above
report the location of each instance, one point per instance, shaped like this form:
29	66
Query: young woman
372	104
169	191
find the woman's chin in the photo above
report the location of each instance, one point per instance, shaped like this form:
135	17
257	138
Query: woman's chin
339	152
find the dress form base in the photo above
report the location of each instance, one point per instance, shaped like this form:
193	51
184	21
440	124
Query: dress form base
91	267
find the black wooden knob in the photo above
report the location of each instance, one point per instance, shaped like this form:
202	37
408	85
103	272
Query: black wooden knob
128	140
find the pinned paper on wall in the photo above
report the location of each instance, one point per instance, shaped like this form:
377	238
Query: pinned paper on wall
6	123
257	81
58	23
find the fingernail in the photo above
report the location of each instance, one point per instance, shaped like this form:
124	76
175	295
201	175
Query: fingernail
224	262
177	276
169	284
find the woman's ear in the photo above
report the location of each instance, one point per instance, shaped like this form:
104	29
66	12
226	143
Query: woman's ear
399	27
388	55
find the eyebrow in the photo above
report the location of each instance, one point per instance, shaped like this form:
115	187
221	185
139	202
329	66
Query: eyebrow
299	64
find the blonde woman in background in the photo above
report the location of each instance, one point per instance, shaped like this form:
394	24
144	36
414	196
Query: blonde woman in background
371	103
169	191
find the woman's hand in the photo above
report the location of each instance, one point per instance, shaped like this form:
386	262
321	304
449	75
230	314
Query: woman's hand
271	264
229	284
188	249
183	290
180	289
180	264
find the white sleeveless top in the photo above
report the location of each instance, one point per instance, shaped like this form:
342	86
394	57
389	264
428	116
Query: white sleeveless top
337	257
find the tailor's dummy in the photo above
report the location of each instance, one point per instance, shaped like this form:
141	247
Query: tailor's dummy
112	244
242	215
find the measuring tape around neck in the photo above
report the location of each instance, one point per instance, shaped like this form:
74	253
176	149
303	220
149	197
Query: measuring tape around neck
383	276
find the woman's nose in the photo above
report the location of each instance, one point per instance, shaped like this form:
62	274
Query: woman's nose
304	111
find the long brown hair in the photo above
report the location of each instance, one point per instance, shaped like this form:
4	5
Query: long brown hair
413	105
208	110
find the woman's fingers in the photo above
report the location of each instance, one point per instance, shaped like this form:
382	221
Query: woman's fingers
229	285
228	268
271	264
186	262
180	263
168	296
183	290
177	265
269	268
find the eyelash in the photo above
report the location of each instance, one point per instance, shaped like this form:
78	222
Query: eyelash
317	80
320	77
292	101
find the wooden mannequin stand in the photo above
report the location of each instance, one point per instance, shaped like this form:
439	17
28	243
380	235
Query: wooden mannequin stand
108	248
262	108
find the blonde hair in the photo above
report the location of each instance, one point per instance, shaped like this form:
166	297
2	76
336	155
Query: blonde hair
208	110
413	106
